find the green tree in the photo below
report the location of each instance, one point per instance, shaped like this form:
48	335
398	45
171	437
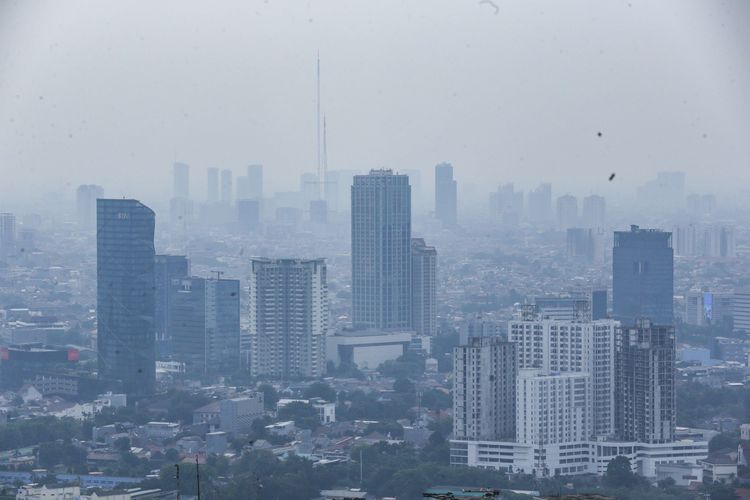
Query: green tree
321	390
403	385
723	441
304	415
122	444
270	396
619	472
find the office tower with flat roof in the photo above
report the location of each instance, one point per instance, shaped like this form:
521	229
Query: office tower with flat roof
204	324
226	187
594	211
599	304
125	294
507	203
7	234
288	305
248	215
567	212
166	268
86	196
540	204
484	389
642	276
212	186
445	194
181	181
645	382
381	250
424	287
255	176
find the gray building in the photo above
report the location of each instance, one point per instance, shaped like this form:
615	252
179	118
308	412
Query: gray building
381	250
567	212
248	214
226	187
7	234
594	211
645	382
204	324
445	194
642	276
540	204
125	294
181	181
484	389
212	189
424	287
288	302
166	268
86	196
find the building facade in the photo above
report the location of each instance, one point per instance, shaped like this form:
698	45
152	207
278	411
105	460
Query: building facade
166	268
288	317
643	276
424	287
484	389
445	194
381	250
125	294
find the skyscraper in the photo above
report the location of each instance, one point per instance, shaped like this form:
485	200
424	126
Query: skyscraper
255	176
445	194
381	250
7	234
125	294
540	204
567	212
181	181
86	196
484	389
642	276
645	382
248	214
226	187
594	211
288	304
212	193
166	268
424	287
204	323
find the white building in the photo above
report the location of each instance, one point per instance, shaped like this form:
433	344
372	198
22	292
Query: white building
326	411
553	408
572	346
161	430
583	457
367	349
42	492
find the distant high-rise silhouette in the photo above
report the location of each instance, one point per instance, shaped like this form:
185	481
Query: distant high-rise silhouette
445	194
226	187
540	204
643	276
288	304
567	212
86	196
181	181
594	211
381	250
212	193
166	268
424	287
204	324
255	176
125	294
7	234
248	214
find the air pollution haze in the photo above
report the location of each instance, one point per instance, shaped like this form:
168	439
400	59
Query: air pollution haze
113	93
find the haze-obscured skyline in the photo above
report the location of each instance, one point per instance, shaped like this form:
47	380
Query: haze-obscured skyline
114	92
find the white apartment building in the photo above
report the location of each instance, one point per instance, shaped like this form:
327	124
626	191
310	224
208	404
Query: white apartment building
553	408
572	346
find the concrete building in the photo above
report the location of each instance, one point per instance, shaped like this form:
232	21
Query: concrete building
594	212
248	214
367	349
540	204
573	346
741	310
226	187
424	287
645	408
484	389
704	308
212	185
7	235
445	194
567	212
125	294
86	196
181	181
288	305
204	324
166	269
553	407
237	414
381	250
643	276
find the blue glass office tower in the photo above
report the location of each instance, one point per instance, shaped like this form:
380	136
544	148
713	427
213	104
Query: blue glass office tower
125	295
381	250
643	276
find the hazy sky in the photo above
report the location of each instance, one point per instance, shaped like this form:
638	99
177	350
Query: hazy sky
114	92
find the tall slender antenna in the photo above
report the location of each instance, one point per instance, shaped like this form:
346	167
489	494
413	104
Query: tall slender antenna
324	180
318	123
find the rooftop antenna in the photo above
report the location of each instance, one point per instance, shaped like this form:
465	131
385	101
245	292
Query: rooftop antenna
323	180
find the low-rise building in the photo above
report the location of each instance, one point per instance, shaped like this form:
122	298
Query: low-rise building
682	474
719	468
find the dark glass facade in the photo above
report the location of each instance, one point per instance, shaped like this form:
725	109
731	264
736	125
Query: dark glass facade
125	295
